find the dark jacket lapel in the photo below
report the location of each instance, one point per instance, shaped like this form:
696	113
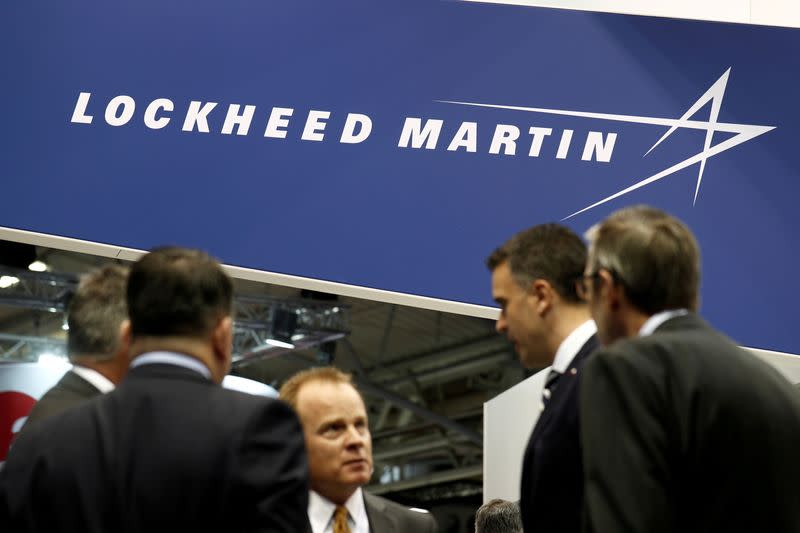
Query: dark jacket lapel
380	521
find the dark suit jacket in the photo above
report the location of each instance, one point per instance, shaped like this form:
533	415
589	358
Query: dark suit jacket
166	451
684	431
71	390
551	492
386	516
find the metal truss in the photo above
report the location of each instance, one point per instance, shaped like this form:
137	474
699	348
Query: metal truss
317	322
44	291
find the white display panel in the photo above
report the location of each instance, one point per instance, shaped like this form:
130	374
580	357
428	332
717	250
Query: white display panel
768	12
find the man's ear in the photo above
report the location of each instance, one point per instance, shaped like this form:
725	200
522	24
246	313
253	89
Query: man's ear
222	341
544	294
614	292
125	339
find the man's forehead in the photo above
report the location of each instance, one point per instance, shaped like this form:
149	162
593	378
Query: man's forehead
327	396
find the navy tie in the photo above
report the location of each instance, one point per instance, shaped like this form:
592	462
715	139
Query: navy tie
550	385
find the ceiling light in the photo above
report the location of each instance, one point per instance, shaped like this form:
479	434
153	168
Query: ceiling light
8	281
280	344
37	266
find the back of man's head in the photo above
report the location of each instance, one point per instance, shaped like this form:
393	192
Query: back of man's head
177	292
653	255
548	251
95	313
498	516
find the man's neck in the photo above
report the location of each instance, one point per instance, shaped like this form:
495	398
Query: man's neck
110	369
335	495
193	347
566	320
632	321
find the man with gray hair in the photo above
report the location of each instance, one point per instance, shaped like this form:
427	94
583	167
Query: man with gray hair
94	316
681	429
498	516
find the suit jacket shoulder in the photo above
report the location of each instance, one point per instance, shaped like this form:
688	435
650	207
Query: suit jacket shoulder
386	516
166	450
71	390
669	414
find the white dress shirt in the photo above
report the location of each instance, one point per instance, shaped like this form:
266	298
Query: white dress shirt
570	346
101	383
172	358
657	319
320	513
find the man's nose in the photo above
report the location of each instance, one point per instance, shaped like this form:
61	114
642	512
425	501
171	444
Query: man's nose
500	326
354	437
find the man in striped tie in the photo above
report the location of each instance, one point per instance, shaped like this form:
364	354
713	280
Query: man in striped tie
537	280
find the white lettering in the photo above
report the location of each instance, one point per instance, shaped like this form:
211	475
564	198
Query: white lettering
348	133
563	146
242	122
538	138
150	119
602	149
504	135
465	137
314	125
414	131
197	116
79	114
117	117
276	121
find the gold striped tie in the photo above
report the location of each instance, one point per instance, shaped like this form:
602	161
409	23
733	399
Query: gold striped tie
340	524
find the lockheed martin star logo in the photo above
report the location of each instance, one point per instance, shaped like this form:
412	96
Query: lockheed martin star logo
742	133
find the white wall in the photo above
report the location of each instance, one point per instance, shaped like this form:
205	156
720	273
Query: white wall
508	420
770	12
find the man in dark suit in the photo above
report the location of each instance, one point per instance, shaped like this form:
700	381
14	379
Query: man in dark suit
169	449
99	360
339	445
681	429
534	280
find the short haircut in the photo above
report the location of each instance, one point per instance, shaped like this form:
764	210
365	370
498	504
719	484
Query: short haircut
653	255
327	374
498	516
177	292
551	252
95	313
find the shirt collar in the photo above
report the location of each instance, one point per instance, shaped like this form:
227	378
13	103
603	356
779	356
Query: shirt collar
320	511
172	358
657	319
100	382
570	346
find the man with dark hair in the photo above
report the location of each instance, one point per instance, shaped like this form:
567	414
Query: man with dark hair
339	445
169	449
534	280
498	516
99	360
681	429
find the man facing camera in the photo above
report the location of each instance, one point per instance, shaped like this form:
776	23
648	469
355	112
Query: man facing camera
339	446
99	360
681	429
169	449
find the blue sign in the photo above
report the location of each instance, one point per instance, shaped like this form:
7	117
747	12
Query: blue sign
394	144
